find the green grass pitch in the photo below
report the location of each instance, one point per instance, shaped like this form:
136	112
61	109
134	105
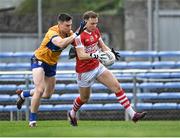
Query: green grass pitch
91	128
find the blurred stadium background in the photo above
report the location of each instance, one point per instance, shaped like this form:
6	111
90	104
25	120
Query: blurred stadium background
146	33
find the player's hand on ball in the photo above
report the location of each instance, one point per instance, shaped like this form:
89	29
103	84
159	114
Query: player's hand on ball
99	55
117	55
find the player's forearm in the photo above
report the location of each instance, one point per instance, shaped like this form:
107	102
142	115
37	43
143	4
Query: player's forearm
66	41
83	56
105	48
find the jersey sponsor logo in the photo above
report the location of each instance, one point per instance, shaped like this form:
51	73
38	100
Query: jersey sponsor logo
91	48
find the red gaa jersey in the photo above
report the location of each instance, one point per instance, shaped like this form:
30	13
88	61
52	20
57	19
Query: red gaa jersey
88	40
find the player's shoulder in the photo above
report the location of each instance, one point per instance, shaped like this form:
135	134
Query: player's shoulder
54	29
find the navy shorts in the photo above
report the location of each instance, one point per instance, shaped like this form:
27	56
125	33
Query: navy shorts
50	70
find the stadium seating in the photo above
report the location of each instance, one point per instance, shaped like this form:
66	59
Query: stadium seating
148	98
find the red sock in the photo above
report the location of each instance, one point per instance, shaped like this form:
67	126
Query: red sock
122	99
77	104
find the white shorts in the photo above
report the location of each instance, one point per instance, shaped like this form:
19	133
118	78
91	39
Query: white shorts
87	79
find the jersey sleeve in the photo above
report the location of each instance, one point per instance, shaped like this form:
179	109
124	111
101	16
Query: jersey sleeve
79	41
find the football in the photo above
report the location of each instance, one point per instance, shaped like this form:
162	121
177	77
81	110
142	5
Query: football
109	60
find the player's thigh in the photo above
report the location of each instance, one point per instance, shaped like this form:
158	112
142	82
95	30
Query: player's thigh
49	85
38	78
84	93
109	80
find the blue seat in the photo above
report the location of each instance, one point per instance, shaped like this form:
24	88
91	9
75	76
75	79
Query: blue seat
126	53
175	75
99	96
113	106
60	87
3	66
154	75
145	96
145	54
24	87
127	85
98	86
151	85
169	95
63	107
11	108
4	97
164	64
45	107
164	106
118	65
139	65
8	87
168	53
22	55
66	66
144	106
1	108
6	54
177	64
121	76
172	85
178	106
72	87
12	77
112	97
18	66
13	97
69	96
91	107
65	77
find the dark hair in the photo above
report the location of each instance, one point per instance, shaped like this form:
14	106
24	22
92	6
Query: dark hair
89	14
64	17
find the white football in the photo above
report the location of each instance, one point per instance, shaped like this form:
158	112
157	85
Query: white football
110	60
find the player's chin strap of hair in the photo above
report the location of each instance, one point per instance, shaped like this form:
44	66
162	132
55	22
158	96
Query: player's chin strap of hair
117	55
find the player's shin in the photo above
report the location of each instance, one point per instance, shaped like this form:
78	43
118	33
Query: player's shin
76	106
32	119
123	100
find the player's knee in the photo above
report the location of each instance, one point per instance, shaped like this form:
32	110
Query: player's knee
39	90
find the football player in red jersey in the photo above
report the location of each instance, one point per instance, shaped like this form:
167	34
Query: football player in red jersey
89	69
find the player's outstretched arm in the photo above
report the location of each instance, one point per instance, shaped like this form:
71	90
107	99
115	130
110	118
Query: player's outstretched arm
64	42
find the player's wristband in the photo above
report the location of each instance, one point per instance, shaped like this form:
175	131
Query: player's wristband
75	35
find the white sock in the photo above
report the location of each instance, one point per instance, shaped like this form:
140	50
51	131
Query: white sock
73	113
31	92
130	111
22	96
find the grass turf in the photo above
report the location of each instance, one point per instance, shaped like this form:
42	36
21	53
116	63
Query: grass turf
91	128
